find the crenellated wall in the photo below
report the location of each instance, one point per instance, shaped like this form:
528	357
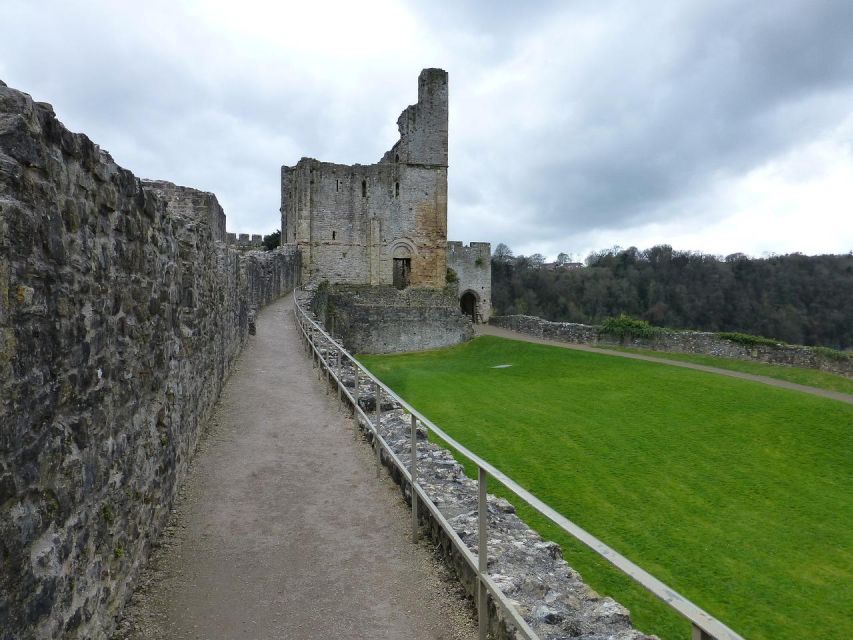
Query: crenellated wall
122	311
472	265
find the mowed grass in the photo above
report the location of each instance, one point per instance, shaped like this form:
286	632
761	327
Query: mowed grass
808	377
736	494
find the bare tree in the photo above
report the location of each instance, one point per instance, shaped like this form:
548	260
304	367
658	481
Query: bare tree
502	253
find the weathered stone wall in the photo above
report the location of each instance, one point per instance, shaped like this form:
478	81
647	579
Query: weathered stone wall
385	320
700	342
473	267
350	222
121	315
191	204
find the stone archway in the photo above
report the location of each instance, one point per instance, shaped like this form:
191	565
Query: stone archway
401	251
401	254
469	303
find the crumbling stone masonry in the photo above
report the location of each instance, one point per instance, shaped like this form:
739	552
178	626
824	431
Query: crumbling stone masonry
377	224
121	314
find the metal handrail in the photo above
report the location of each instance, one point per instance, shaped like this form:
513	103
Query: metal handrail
704	625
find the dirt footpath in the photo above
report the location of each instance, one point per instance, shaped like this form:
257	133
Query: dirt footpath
282	530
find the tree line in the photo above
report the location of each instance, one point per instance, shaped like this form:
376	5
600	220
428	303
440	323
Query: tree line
794	298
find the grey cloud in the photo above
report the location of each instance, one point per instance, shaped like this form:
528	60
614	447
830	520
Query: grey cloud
738	87
676	97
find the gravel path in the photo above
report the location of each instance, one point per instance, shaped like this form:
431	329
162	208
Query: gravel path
489	330
282	530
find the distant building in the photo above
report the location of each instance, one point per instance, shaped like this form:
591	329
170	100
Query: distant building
566	266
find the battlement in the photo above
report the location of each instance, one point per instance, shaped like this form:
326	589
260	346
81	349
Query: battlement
472	251
244	240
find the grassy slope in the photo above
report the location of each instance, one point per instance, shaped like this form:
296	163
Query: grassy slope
734	493
809	377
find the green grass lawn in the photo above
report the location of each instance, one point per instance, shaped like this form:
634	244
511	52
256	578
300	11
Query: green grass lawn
809	377
737	494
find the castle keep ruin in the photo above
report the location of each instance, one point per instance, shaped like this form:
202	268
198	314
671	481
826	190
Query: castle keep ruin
385	225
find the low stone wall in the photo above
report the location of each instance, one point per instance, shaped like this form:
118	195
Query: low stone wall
121	315
384	320
700	342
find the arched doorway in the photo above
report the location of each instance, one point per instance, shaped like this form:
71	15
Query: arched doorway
401	251
402	273
468	304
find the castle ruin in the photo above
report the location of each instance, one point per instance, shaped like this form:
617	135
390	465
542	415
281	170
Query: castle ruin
385	224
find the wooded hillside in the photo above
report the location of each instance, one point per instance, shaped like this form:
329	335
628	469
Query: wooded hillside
794	298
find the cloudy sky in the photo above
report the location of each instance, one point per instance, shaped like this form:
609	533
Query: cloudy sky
710	125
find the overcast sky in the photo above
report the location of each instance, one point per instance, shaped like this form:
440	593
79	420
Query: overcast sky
715	125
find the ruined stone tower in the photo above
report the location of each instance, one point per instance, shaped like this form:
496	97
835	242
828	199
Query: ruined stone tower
378	224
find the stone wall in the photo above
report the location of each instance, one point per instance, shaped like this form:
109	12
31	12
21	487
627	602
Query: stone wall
191	204
350	222
385	320
121	315
473	267
700	342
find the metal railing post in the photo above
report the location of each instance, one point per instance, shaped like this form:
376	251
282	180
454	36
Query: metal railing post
356	396
699	634
483	554
340	380
376	393
413	470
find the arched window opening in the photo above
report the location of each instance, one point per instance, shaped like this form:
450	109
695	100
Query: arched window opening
333	235
396	189
396	157
364	188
